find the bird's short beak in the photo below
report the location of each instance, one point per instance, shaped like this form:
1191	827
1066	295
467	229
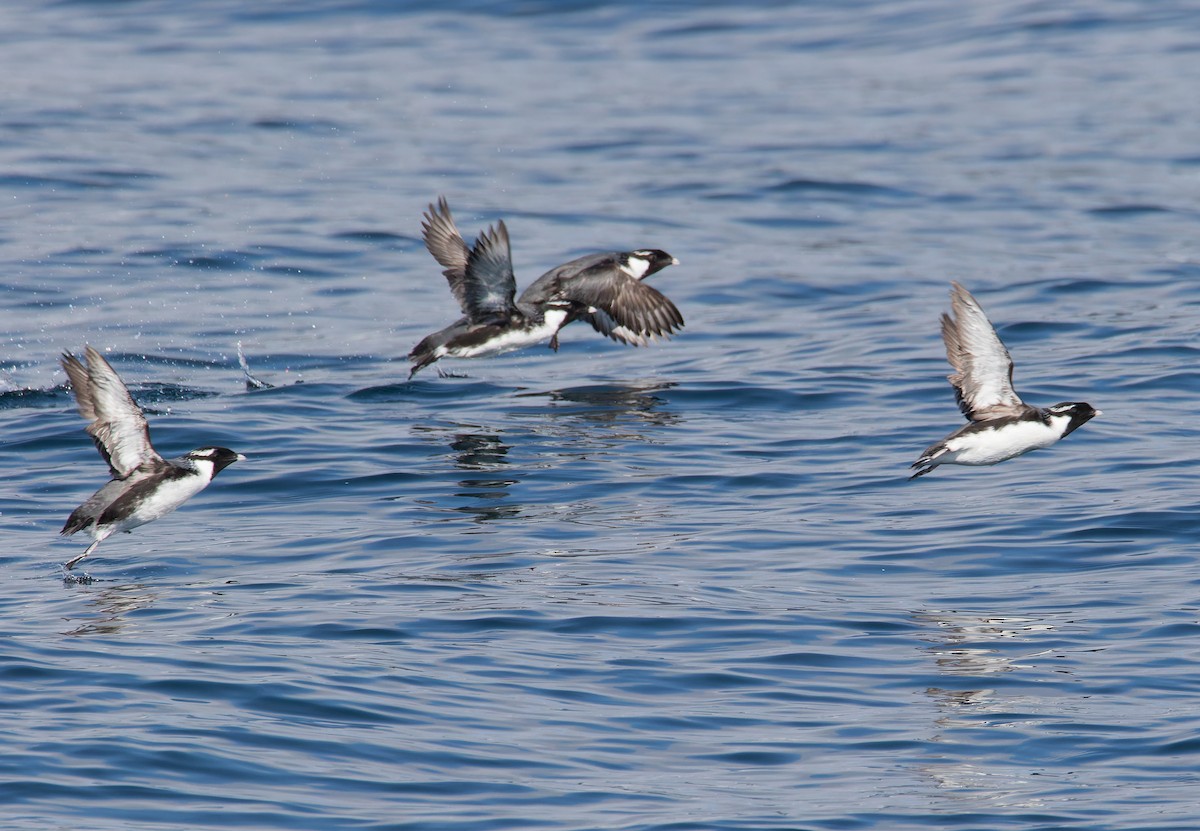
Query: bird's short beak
1099	413
241	457
674	261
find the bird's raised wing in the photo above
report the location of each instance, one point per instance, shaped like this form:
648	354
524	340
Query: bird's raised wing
117	425
983	370
447	246
489	285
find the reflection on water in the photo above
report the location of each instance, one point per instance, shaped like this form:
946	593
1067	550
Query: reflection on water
956	629
566	432
105	613
610	404
483	456
959	647
483	452
479	451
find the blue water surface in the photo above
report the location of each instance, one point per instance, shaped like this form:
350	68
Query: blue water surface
680	588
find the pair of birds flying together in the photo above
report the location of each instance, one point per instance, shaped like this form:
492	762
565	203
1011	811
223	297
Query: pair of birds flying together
607	291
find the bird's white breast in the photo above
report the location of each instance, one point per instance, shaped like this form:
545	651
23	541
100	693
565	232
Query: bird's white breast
167	497
987	447
517	338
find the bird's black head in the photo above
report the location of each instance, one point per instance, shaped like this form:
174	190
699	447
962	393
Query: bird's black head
219	457
1078	413
647	261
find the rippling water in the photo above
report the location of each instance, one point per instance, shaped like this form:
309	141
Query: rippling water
684	587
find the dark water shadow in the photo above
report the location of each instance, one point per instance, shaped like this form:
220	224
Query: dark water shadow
431	389
486	475
611	403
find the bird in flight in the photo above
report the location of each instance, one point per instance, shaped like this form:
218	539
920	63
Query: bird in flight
606	290
144	485
1002	426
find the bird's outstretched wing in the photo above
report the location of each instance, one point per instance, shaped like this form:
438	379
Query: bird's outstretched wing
606	325
481	278
628	312
616	304
983	370
117	425
490	285
447	246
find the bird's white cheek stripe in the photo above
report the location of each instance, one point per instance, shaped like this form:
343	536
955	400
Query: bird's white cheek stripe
637	268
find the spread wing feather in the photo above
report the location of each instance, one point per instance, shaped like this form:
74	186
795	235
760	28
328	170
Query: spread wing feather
481	278
490	285
447	246
983	369
636	309
117	425
616	305
603	323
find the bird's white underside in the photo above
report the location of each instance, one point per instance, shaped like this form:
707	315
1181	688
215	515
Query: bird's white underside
988	447
169	496
509	341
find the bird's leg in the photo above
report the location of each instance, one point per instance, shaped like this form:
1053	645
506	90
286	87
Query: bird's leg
554	342
70	564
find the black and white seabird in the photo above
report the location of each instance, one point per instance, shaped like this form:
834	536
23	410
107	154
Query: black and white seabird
606	290
145	486
1002	425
